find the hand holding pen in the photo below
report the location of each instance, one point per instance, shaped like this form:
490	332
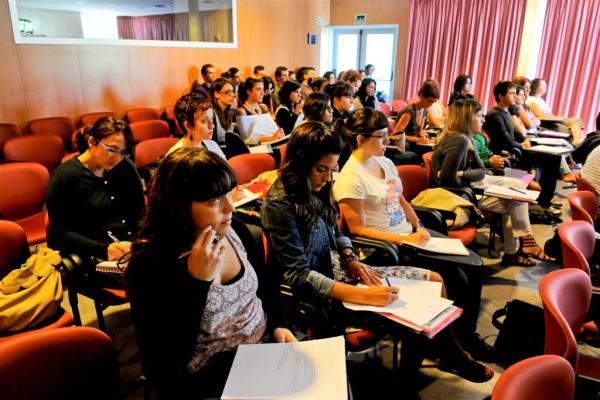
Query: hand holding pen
205	260
116	249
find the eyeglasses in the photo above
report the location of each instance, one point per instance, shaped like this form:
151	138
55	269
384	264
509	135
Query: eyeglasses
228	92
111	151
383	136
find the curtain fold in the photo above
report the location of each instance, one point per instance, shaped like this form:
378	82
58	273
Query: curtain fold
154	27
477	37
569	58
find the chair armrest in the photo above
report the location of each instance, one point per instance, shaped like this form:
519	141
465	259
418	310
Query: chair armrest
434	219
465	192
387	248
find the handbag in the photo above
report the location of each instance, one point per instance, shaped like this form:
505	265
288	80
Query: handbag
442	199
31	294
521	334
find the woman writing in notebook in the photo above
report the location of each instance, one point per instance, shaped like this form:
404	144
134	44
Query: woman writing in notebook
369	192
194	295
456	163
251	96
299	218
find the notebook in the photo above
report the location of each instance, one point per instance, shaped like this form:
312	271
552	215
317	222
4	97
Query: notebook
505	192
442	246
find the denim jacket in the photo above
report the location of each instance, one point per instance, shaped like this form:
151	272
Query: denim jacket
303	253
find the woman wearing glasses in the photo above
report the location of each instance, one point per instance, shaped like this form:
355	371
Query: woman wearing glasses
223	96
95	200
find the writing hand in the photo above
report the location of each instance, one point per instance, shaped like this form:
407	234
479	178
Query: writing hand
380	295
116	250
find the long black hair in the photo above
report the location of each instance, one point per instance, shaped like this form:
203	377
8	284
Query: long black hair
184	176
361	93
308	143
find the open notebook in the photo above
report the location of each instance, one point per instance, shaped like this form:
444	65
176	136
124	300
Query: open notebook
442	246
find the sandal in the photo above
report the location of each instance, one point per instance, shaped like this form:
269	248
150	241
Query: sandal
517	259
535	251
467	368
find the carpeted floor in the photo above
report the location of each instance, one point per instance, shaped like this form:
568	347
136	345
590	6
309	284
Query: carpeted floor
502	284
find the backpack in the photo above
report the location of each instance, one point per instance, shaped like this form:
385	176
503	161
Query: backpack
33	293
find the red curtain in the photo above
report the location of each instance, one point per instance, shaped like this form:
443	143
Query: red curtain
451	37
569	58
154	27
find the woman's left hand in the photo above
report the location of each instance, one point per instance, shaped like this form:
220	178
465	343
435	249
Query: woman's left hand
284	335
367	275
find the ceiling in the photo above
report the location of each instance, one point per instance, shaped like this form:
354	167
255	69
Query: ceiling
124	7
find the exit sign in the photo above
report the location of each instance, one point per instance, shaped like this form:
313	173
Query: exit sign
360	19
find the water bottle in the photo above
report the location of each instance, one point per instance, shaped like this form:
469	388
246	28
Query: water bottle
402	142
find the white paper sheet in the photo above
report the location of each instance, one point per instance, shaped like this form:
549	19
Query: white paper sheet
256	125
315	369
443	246
505	192
418	301
551	141
550	149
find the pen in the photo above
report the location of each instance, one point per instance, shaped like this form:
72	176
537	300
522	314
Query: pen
187	253
517	190
420	224
387	280
113	237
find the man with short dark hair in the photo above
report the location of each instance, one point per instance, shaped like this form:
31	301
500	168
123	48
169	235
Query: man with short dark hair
503	137
258	72
208	76
282	74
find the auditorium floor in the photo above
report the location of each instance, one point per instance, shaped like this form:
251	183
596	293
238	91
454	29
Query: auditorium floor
501	285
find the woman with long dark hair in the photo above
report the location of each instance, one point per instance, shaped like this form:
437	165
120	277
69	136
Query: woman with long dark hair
289	113
223	95
251	97
462	88
365	96
189	265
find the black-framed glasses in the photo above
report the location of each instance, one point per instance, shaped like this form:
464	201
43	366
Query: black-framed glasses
383	136
111	151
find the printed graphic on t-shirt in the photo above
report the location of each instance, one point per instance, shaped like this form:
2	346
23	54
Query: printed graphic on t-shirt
392	206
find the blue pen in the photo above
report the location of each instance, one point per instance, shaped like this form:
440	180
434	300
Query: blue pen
387	280
420	224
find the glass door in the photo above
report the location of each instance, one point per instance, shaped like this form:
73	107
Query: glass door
354	48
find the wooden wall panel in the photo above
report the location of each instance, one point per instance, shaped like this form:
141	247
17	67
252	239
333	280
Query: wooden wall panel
70	80
105	79
12	100
51	80
379	12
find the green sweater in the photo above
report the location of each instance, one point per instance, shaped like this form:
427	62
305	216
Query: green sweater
482	150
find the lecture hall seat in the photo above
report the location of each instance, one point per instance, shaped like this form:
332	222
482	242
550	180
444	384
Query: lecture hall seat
45	150
58	126
141	114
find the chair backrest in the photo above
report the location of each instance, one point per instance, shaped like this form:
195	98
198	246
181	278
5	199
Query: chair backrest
149	150
45	150
547	377
234	145
427	164
414	180
7	132
398	105
582	184
584	206
577	240
91	118
28	183
141	114
169	116
55	126
566	295
282	153
386	109
64	363
249	166
14	249
151	129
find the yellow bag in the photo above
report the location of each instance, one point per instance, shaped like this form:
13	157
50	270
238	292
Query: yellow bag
31	294
443	199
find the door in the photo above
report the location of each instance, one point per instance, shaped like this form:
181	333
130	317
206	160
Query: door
353	48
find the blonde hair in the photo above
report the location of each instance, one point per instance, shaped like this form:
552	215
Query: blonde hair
460	119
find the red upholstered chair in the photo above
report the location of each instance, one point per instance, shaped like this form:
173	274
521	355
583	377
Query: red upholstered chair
56	126
420	178
151	129
566	295
141	114
66	363
91	118
45	150
582	184
546	377
13	252
584	206
386	109
169	116
577	239
249	166
398	105
24	186
149	150
7	132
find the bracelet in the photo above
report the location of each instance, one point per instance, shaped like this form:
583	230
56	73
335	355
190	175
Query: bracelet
348	258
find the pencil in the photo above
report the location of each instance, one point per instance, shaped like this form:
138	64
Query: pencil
387	280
